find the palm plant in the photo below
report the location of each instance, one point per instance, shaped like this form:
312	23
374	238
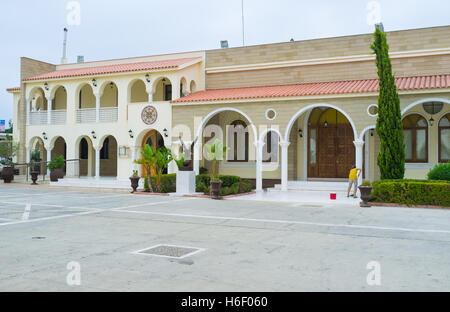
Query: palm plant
148	160
215	152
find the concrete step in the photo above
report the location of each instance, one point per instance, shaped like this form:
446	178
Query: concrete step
313	186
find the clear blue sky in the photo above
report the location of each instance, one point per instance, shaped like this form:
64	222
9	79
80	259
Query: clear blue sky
114	29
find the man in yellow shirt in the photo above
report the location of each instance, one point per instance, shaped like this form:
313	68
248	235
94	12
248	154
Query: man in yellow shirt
353	180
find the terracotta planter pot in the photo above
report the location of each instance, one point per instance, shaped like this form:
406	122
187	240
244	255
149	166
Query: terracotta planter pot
134	183
215	187
34	176
61	173
8	174
55	174
365	195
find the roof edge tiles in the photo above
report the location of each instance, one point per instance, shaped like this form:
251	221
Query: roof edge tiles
317	88
111	69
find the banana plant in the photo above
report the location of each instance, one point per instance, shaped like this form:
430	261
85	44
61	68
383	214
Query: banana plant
215	153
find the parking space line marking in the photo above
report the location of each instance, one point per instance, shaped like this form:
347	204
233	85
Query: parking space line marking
52	218
26	213
153	204
372	227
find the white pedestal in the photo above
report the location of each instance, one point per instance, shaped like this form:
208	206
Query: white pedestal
185	182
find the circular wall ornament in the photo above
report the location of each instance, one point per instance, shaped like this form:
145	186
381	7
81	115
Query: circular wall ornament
372	110
149	115
271	114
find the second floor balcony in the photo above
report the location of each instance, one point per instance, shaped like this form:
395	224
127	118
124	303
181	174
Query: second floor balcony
89	115
55	117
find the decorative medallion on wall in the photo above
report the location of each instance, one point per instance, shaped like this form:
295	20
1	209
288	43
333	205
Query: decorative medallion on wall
149	115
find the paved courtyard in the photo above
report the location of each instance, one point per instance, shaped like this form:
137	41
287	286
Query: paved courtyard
49	236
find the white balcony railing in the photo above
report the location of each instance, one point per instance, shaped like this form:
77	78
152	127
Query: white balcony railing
58	117
108	114
86	115
38	118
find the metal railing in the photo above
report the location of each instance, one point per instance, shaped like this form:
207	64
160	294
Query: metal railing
89	115
86	115
108	114
41	117
58	117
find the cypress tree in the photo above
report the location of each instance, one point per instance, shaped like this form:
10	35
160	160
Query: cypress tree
391	159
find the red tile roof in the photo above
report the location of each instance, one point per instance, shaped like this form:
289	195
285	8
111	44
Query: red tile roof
13	89
110	69
318	88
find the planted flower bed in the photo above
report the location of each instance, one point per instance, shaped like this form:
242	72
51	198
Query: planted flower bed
231	185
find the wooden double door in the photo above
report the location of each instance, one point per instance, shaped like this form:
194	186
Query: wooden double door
331	151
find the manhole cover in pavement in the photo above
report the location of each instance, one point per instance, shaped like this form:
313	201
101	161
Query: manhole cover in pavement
169	251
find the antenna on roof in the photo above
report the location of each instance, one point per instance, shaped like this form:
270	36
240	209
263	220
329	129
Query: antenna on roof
64	58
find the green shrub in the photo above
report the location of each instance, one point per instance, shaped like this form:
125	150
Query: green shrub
410	192
168	183
243	187
57	163
203	181
203	170
440	172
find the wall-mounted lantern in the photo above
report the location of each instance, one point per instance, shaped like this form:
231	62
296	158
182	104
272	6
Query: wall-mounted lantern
93	135
130	132
46	86
325	124
44	135
165	133
94	82
431	121
300	133
147	77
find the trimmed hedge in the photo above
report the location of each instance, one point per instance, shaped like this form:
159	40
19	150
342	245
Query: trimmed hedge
412	192
440	172
231	184
203	181
168	183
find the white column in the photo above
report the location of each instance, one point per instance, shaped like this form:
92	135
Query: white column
28	102
97	108
359	157
284	165
196	156
49	110
49	158
259	178
97	163
27	157
133	158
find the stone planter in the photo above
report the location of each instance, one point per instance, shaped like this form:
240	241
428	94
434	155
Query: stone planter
34	176
56	174
8	174
134	183
365	195
215	187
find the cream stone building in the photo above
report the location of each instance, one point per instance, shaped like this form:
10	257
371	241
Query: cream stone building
293	111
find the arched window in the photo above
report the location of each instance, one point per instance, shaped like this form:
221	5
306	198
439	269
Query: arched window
444	139
104	152
237	141
415	132
270	150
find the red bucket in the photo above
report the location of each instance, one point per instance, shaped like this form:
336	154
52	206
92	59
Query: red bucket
333	196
